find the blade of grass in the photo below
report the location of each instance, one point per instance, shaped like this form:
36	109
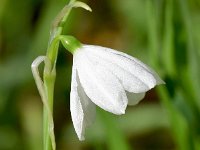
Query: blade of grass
193	57
168	48
152	33
179	125
193	64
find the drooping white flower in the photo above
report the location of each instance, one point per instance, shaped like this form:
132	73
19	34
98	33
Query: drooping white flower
103	77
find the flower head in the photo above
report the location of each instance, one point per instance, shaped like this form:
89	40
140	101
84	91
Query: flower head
104	77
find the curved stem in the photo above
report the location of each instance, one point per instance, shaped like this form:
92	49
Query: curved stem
49	140
46	89
49	75
49	80
48	125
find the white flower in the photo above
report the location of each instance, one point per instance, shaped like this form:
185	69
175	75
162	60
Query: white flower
103	77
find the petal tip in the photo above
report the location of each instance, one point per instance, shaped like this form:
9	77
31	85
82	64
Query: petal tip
81	138
121	112
160	82
157	82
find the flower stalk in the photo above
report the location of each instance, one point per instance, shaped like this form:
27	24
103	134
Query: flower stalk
46	86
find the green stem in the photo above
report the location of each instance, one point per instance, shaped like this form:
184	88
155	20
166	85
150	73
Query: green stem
49	80
50	73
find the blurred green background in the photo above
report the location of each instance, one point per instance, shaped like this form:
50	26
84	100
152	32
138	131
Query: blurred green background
165	34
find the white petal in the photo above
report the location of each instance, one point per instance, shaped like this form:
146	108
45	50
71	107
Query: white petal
134	98
156	76
144	76
130	82
101	86
82	109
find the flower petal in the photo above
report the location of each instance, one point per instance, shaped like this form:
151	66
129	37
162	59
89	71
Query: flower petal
82	109
100	85
130	82
134	98
143	73
156	76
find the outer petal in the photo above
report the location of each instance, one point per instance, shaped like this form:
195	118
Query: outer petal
130	82
156	76
101	86
143	75
82	109
134	98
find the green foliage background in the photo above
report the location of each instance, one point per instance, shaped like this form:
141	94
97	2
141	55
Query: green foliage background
165	34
